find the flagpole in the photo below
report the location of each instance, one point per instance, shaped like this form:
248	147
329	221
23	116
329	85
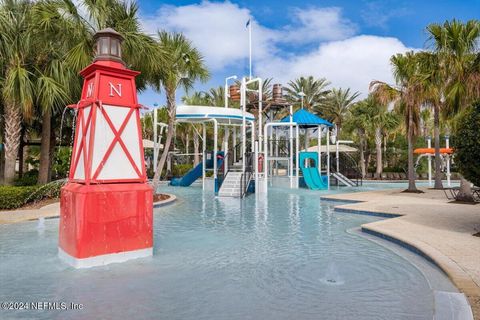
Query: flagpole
250	47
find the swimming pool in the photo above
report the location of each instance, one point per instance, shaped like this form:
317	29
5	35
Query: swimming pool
287	256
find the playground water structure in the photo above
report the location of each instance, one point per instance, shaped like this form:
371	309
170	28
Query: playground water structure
282	256
260	148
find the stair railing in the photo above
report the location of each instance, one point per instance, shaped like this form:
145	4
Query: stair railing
247	175
348	166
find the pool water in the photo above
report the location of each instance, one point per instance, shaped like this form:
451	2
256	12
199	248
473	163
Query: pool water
285	256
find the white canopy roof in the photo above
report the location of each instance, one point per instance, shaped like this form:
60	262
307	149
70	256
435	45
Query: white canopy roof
333	148
221	114
148	144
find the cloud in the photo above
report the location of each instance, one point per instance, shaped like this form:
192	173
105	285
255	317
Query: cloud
319	24
217	29
353	62
378	14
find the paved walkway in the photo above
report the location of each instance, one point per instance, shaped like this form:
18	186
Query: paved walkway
440	230
52	210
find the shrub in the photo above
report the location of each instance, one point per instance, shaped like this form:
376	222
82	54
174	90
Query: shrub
61	163
29	178
467	144
180	170
12	197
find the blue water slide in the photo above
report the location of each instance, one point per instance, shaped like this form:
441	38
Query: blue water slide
195	173
312	177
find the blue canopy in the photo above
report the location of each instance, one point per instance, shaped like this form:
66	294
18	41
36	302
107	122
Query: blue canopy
306	119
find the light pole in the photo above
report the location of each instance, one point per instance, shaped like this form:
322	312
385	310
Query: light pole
301	94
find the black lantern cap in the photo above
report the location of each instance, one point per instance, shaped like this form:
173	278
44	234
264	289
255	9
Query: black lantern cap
108	45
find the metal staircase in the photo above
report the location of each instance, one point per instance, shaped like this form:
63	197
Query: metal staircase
349	173
235	182
232	185
343	180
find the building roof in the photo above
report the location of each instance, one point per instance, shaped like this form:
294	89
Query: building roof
305	119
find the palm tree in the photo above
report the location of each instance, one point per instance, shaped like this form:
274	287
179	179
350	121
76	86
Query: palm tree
43	46
315	91
407	99
382	121
213	97
359	121
336	105
196	99
458	69
183	66
17	86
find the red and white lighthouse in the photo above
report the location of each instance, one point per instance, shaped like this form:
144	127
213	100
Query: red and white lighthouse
106	207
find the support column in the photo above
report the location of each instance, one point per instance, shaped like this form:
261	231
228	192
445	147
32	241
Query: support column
328	158
215	148
204	155
429	145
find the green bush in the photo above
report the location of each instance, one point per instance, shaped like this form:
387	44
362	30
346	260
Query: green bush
12	197
61	163
180	170
29	178
467	144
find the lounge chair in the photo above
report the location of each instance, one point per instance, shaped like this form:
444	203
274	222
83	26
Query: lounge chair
452	193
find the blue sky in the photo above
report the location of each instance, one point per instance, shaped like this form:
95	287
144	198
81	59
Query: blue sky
348	42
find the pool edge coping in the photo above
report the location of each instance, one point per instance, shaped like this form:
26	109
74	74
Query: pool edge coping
461	279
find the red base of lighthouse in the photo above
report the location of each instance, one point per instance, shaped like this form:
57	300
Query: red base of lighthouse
105	223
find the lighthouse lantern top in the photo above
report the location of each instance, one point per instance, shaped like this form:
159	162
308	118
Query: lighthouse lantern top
108	45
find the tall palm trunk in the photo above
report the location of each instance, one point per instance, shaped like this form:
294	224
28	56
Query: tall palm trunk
13	129
378	148
196	147
170	133
43	171
411	169
438	160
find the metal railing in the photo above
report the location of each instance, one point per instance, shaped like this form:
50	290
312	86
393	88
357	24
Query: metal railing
348	166
247	175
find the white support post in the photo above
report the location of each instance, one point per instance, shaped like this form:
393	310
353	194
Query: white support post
252	125
155	140
204	156
255	160
215	148
234	145
297	147
260	112
447	145
243	101
319	149
337	154
328	158
265	145
290	173
429	145
226	133
277	140
306	139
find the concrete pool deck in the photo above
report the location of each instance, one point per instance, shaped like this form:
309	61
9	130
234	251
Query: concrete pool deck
430	225
53	211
